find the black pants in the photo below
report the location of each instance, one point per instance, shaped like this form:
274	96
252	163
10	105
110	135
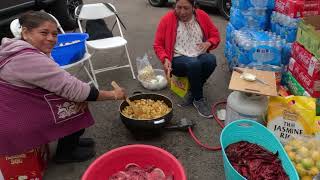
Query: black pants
68	143
197	69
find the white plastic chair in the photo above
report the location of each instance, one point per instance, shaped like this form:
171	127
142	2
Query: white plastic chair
15	28
58	24
100	11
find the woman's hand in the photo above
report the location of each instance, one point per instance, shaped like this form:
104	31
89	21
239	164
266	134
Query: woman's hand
118	92
203	47
167	67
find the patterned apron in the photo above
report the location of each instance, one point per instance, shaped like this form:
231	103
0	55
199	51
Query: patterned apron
32	117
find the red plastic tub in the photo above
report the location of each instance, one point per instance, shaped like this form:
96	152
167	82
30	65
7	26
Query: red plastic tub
143	155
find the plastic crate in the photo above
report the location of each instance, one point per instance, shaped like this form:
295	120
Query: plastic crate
64	53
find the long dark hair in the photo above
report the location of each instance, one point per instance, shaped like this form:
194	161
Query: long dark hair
34	19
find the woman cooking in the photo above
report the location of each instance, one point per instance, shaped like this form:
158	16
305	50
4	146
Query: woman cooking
182	42
39	102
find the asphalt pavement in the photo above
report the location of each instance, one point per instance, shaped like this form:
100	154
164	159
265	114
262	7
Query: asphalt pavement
109	132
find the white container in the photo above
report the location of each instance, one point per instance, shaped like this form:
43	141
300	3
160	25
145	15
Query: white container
158	83
246	106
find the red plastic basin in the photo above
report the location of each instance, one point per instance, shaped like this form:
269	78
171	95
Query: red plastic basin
143	155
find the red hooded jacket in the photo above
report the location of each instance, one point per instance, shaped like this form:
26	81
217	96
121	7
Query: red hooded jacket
167	31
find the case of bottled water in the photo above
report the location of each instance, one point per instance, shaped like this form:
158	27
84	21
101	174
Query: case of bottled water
253	18
286	53
284	26
246	4
229	53
229	30
249	41
257	47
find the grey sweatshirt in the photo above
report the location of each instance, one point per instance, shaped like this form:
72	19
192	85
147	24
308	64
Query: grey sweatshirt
31	70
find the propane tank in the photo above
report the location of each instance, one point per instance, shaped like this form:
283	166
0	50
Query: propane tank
242	105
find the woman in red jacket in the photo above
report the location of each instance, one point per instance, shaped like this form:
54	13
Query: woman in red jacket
183	40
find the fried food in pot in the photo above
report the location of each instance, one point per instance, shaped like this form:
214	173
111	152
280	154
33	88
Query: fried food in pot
151	109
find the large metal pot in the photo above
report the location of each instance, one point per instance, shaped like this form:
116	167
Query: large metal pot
146	126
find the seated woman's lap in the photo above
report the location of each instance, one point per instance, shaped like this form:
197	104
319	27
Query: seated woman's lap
208	64
183	65
207	60
197	69
201	66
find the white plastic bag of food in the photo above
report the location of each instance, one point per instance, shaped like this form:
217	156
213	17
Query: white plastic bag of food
145	70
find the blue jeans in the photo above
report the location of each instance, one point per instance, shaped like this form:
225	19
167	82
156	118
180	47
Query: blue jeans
197	69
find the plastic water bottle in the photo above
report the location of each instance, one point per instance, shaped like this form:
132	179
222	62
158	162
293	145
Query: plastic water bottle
251	22
271	43
270	54
248	45
255	44
278	37
259	3
279	45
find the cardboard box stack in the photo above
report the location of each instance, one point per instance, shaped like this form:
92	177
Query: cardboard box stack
298	8
303	76
287	15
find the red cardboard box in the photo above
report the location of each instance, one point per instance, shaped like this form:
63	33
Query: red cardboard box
311	5
306	60
312	86
27	166
298	8
290	8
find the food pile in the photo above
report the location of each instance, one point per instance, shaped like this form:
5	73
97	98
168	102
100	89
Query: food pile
304	152
254	162
133	171
147	73
150	109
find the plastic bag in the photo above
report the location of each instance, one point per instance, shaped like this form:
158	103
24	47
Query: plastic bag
304	152
30	164
145	70
179	85
292	115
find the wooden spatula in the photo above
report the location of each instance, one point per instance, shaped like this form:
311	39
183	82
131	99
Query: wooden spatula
136	110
